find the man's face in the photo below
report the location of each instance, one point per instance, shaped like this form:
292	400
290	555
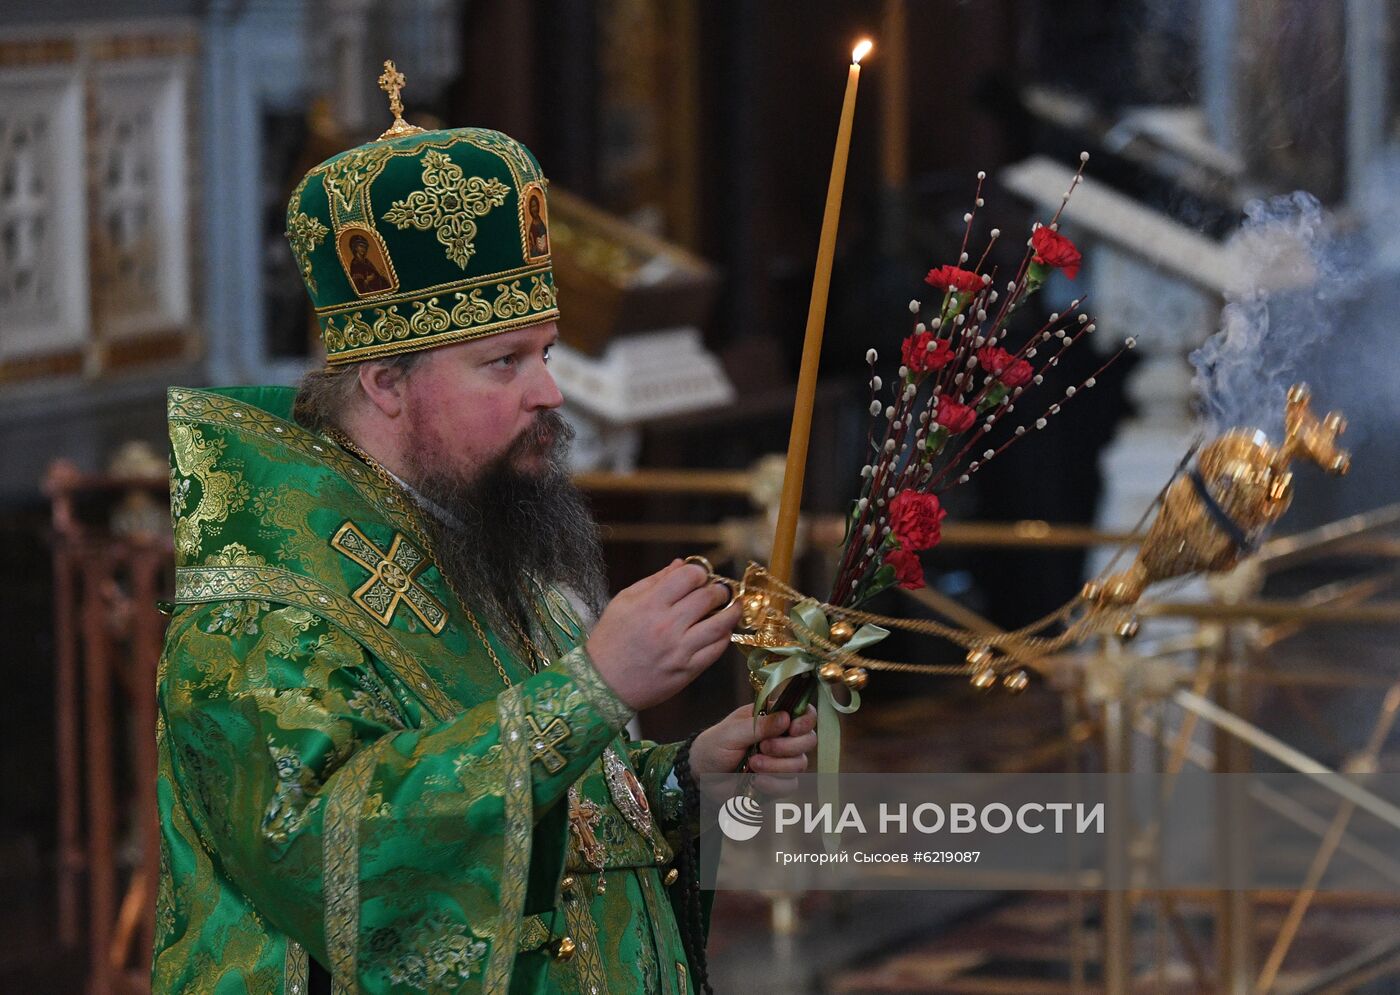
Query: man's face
467	404
483	442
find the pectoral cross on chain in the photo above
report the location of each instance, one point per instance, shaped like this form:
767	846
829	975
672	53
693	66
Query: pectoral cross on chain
584	817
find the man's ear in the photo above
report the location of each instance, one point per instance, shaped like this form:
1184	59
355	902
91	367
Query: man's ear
384	384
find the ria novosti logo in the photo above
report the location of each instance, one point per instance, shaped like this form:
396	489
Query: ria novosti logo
741	818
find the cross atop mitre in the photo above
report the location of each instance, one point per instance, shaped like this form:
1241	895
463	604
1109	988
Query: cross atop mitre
391	81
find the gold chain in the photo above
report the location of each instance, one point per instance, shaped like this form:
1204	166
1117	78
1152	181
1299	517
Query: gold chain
346	443
530	646
1017	642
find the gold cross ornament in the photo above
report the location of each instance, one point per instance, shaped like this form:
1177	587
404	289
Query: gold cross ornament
449	203
392	576
584	817
391	81
544	742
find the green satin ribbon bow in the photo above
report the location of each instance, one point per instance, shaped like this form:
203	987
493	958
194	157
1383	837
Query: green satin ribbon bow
801	657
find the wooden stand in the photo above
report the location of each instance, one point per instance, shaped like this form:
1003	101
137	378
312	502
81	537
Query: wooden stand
108	638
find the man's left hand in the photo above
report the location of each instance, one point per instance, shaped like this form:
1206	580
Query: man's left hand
783	745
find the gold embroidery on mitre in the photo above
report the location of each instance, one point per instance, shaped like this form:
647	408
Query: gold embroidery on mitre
389	324
391	581
305	233
357	330
347	180
449	203
512	302
542	294
428	318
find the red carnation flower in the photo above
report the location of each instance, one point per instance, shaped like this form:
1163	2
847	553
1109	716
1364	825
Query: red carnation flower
954	416
920	358
1005	367
953	278
917	519
1053	249
908	571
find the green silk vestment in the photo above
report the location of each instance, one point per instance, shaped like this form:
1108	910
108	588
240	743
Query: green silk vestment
344	774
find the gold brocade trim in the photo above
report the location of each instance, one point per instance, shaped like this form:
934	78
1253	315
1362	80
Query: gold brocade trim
534	933
198	585
439	339
659	913
471	316
449	203
296	969
518	801
197	406
579	665
391	577
440	289
341	867
588	959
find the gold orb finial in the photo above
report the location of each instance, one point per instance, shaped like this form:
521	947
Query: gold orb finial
856	678
391	81
831	672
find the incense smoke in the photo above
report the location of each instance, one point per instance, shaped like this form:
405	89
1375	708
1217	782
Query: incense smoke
1315	300
1284	303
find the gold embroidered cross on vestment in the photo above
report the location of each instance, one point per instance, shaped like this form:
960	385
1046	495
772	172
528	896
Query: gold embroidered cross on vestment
392	576
544	742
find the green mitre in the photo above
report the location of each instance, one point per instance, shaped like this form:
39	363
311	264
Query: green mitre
422	238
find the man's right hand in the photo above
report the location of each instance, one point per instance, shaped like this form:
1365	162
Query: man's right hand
658	635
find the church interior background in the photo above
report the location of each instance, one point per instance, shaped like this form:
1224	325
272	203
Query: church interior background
146	152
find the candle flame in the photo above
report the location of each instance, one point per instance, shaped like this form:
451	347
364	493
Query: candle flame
861	50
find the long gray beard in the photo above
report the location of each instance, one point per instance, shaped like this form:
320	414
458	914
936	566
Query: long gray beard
508	526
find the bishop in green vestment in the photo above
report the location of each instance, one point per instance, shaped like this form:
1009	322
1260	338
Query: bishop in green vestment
389	760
